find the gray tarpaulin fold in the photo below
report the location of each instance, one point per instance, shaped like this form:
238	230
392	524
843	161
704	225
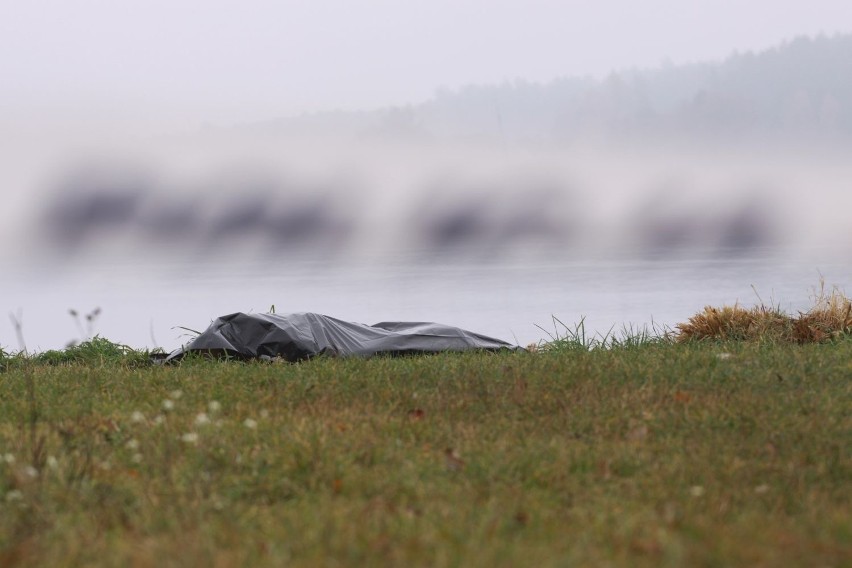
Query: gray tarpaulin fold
295	337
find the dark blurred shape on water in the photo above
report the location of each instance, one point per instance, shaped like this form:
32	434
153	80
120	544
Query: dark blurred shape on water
455	218
671	221
91	205
86	211
752	224
484	218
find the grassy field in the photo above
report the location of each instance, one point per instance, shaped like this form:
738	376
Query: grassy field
658	453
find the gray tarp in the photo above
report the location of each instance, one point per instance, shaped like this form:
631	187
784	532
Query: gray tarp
295	337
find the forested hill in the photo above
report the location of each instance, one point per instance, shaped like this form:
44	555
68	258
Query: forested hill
801	88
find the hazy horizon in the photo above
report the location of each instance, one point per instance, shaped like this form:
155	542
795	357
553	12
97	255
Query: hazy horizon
180	67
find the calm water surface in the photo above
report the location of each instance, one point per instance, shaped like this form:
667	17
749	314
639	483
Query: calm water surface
145	306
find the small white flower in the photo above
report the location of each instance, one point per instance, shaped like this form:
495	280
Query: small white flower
176	394
762	488
723	356
696	491
168	404
214	406
52	462
190	438
9	458
137	417
201	419
264	414
132	444
159	419
31	472
250	424
14	495
137	458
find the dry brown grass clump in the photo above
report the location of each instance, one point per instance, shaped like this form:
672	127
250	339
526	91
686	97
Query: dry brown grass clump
830	317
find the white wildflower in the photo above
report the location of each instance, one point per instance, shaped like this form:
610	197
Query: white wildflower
137	458
696	491
52	462
159	419
168	404
723	356
176	394
214	406
190	438
137	417
264	414
31	472
763	488
132	444
9	458
201	419
250	424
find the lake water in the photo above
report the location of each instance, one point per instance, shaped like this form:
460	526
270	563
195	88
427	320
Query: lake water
166	234
146	306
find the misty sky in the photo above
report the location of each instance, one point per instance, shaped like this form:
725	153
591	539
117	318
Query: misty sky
181	64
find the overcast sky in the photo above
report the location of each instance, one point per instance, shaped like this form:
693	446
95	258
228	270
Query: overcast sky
183	63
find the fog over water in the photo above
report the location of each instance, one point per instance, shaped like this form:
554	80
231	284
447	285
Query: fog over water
625	198
205	201
484	237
